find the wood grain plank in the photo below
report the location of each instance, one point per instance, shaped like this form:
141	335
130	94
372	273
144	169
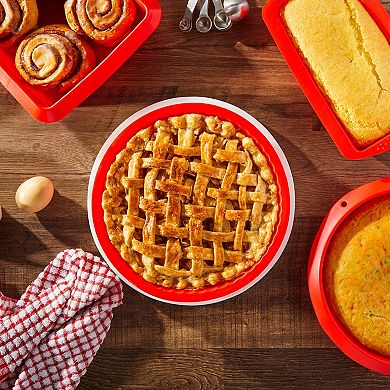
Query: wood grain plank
228	369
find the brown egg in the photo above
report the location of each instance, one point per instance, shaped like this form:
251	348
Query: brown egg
34	194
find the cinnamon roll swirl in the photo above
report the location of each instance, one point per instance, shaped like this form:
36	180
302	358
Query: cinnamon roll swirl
17	18
54	56
104	21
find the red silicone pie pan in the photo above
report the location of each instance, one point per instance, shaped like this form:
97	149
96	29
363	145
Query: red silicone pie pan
52	106
327	318
272	15
248	125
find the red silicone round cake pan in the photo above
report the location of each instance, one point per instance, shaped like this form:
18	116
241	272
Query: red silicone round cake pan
272	15
326	317
247	125
52	106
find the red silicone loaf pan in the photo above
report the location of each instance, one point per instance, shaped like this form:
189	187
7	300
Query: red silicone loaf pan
52	106
247	125
272	15
327	318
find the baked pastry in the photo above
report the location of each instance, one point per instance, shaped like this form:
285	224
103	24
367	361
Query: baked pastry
357	274
17	18
190	202
349	57
105	22
54	56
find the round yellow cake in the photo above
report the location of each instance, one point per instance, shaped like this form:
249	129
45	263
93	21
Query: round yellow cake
357	274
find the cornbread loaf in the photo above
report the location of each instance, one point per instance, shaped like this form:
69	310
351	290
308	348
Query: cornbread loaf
349	57
357	274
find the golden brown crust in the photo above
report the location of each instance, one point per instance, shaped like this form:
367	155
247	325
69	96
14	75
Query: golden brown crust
190	202
54	56
17	18
106	23
349	57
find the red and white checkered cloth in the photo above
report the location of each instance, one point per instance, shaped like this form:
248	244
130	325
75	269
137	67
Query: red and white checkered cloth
50	335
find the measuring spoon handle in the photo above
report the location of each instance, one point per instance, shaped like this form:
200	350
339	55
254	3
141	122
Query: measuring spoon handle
204	10
186	23
218	6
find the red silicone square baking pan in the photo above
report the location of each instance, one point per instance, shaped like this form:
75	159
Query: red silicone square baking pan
52	106
272	15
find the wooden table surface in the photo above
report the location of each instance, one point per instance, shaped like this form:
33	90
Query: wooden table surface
268	337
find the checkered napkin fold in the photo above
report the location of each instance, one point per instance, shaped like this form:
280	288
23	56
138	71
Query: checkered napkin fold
50	335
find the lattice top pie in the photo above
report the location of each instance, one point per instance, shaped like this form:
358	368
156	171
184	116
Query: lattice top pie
190	202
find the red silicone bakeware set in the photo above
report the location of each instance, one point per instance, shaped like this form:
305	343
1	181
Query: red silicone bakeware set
272	15
52	106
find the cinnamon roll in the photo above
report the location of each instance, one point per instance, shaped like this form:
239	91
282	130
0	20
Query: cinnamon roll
54	56
17	18
104	21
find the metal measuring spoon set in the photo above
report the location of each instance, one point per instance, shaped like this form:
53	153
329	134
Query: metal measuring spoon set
225	14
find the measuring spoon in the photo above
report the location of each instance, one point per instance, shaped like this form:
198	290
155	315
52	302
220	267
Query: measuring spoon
186	23
204	23
221	20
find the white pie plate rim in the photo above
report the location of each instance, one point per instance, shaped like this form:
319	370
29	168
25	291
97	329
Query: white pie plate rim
184	100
